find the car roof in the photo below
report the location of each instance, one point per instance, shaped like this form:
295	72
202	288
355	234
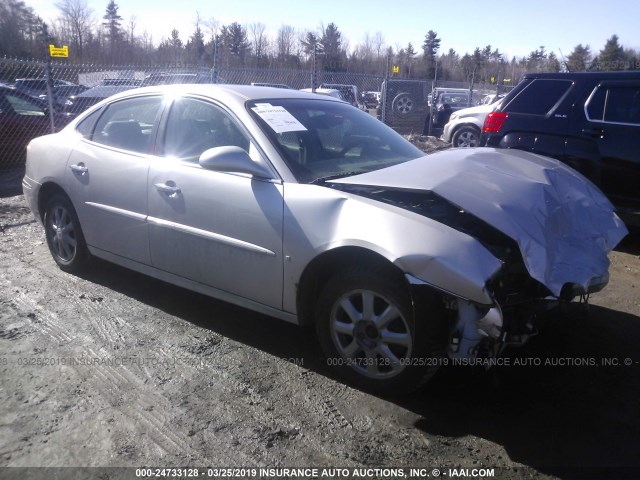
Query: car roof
593	75
230	94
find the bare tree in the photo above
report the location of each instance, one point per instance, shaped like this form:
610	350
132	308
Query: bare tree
379	45
79	19
285	42
258	38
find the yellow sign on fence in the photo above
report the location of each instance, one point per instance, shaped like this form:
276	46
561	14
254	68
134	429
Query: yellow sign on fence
396	69
62	52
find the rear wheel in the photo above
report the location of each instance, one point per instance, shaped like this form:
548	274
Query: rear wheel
466	137
365	325
64	235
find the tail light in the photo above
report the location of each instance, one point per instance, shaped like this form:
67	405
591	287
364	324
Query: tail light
493	122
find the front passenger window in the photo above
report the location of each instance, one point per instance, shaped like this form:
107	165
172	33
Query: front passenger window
194	126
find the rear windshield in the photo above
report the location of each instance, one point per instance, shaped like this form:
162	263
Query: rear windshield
539	97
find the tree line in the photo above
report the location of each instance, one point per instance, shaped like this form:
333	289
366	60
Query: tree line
108	38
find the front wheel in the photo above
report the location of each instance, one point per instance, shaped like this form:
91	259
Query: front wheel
64	235
466	137
365	325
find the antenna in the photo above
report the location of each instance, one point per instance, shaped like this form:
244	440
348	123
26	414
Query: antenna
564	61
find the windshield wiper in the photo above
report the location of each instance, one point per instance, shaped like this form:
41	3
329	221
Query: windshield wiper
321	180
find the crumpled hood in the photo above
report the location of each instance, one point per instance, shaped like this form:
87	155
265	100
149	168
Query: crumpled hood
563	224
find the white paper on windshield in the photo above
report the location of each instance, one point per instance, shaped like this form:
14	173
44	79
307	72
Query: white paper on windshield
278	118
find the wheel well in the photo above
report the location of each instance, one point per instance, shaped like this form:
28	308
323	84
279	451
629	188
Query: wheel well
323	267
464	125
47	191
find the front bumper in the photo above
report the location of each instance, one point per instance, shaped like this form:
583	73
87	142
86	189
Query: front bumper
30	190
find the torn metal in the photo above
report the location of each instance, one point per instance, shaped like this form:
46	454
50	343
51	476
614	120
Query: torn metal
563	225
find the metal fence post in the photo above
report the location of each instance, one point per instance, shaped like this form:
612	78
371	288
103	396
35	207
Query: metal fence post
314	69
47	75
433	97
215	59
384	90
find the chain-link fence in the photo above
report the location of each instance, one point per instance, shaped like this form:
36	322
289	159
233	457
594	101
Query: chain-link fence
38	97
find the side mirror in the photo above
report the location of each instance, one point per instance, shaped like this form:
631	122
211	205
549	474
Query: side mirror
233	160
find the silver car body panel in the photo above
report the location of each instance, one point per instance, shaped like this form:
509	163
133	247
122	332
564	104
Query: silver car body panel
222	230
563	224
318	219
249	241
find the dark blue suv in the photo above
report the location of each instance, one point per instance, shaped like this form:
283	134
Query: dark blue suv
591	121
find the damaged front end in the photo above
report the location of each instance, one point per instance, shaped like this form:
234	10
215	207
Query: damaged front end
482	330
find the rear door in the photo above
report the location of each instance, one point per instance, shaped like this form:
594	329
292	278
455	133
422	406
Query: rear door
107	177
611	119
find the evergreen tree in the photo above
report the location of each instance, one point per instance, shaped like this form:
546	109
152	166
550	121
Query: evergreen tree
612	56
113	28
334	55
195	45
579	59
430	49
234	39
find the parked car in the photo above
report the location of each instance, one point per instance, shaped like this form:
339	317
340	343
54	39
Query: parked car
445	104
405	105
22	118
370	99
325	91
38	86
304	208
436	92
61	93
76	104
349	93
465	126
128	82
590	121
161	78
267	84
490	98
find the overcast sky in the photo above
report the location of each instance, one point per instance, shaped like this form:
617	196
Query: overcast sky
515	27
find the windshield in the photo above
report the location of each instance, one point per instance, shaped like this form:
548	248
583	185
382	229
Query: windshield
323	139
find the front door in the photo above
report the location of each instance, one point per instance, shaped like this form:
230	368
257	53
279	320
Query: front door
220	229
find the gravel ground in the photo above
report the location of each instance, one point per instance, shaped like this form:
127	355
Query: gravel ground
117	369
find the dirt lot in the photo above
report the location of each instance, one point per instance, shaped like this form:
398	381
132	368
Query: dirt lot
116	369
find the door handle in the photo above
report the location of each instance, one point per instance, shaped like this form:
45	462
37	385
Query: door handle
79	168
172	190
594	132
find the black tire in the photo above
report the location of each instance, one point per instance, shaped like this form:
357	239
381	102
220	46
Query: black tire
403	104
64	234
389	353
466	137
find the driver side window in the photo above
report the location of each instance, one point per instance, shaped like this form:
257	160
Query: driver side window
195	125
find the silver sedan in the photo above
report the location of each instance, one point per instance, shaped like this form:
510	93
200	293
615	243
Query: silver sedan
307	209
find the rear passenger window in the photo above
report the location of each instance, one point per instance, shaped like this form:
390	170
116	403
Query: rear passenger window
128	124
539	97
623	105
615	104
85	127
595	105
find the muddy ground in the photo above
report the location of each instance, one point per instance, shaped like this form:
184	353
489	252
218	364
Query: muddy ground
117	369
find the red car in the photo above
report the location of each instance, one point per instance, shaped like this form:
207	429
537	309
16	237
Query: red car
22	118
